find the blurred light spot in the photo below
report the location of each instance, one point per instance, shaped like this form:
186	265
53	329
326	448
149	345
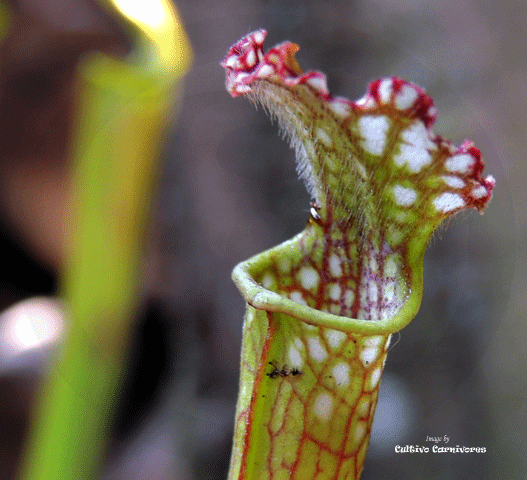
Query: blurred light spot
153	13
29	325
395	417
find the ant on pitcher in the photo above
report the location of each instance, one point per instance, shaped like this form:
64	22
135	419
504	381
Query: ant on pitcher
283	372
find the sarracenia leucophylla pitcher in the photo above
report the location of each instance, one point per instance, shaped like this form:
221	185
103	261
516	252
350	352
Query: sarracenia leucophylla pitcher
322	306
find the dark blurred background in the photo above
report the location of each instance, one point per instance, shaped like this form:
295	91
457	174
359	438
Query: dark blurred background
228	190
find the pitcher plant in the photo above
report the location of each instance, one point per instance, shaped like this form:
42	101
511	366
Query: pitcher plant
322	306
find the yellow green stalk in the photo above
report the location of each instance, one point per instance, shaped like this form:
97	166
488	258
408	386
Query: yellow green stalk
322	306
124	108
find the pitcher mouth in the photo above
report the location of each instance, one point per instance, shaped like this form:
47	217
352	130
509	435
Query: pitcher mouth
261	298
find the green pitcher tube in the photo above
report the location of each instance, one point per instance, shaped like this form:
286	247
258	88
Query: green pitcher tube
124	105
322	306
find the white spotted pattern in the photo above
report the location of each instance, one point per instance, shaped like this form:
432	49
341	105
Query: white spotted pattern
316	349
404	196
373	292
369	355
267	280
295	359
446	202
341	373
460	163
390	267
258	36
374	341
349	296
414	152
366	102
334	291
452	181
364	407
318	84
340	107
375	377
251	58
374	132
385	90
309	278
415	158
324	137
360	431
406	97
323	406
479	192
418	135
334	266
334	337
265	71
231	62
297	298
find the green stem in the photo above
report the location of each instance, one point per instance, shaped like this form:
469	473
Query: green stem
123	112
